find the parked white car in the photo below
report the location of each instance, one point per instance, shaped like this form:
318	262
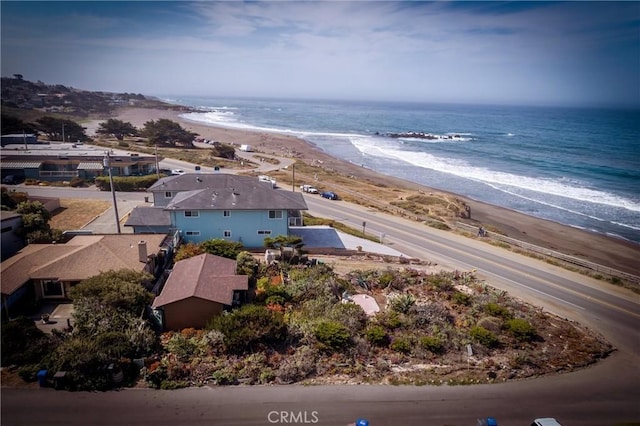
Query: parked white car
310	189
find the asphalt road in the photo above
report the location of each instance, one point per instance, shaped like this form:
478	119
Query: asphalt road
604	394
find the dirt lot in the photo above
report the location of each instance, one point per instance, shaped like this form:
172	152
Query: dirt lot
76	213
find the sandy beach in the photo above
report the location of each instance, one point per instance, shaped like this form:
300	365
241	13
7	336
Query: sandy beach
608	251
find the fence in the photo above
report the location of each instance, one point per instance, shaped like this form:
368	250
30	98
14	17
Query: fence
553	254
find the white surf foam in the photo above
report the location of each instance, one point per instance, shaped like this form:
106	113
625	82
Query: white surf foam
500	180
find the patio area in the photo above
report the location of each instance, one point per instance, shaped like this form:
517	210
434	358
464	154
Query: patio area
54	316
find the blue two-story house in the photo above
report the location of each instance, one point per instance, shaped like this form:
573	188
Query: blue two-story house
236	208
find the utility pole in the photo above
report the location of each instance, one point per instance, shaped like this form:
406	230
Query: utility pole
157	167
107	164
62	132
293	179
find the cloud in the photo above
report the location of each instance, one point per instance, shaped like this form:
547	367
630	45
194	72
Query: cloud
533	51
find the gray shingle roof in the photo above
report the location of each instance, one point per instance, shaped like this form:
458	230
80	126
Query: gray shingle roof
148	216
204	191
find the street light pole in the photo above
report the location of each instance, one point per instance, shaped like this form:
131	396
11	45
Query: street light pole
107	164
293	180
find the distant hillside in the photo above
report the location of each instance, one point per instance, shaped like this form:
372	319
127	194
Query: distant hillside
27	100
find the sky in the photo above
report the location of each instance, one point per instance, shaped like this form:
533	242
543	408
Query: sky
526	53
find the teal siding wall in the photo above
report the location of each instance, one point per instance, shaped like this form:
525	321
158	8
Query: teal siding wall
244	226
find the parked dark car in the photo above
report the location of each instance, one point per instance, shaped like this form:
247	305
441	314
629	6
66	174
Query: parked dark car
12	179
330	195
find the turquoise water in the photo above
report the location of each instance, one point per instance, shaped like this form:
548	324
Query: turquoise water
579	167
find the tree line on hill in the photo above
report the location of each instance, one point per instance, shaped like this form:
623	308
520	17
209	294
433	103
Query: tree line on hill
163	132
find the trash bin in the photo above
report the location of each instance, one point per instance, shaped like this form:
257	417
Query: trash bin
58	380
42	378
146	199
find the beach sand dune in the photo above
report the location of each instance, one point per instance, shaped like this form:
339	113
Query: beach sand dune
601	249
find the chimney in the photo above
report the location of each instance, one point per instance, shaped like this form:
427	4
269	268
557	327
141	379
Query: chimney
142	251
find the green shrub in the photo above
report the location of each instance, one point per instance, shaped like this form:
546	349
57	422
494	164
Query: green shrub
402	303
521	329
496	310
432	344
351	315
492	324
225	376
275	300
376	335
77	182
401	344
332	335
23	342
461	298
298	366
183	347
249	326
441	281
484	337
223	248
173	384
29	373
126	183
246	265
391	320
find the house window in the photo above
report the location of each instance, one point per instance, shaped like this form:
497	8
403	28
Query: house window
192	233
227	234
191	213
275	214
52	288
6	229
226	213
168	194
264	232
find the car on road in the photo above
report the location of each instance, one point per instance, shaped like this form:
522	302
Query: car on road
546	421
177	172
310	189
330	195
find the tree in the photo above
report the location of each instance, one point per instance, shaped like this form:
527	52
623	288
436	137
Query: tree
121	290
246	264
35	222
55	127
108	327
222	248
116	128
23	342
166	132
11	124
188	250
223	151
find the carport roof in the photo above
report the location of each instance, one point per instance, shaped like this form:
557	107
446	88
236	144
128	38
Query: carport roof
90	165
21	164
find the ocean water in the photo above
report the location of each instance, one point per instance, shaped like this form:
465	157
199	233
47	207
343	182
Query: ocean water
579	167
